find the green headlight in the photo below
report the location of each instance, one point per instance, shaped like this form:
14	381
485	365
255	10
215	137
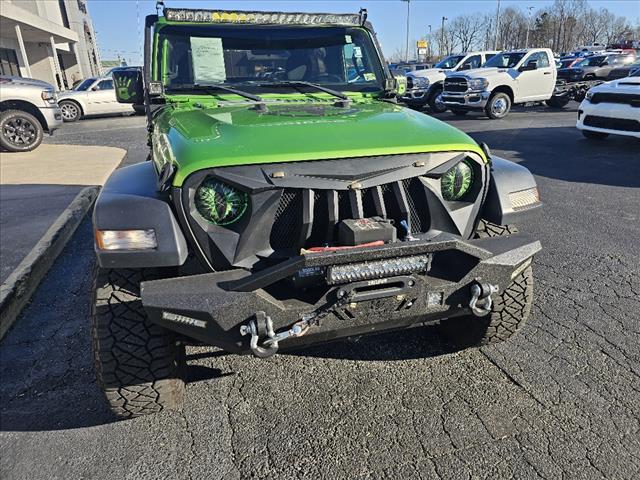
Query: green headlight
456	181
220	203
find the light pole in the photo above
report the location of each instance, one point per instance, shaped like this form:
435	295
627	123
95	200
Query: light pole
406	52
495	45
526	43
429	44
442	37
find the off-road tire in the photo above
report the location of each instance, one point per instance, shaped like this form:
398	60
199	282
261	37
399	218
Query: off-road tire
459	113
490	111
509	313
138	364
12	119
487	229
71	111
433	105
594	135
556	102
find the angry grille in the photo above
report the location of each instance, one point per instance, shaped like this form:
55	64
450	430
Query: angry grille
627	99
397	201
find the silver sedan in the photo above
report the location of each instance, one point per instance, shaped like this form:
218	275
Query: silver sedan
93	96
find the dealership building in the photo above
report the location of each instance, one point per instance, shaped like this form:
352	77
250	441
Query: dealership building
50	40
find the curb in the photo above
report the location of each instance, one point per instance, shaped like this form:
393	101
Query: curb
18	288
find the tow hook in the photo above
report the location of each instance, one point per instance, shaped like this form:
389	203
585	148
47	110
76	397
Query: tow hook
482	292
262	326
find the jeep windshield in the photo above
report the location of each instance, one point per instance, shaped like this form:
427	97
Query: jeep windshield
251	59
504	60
449	62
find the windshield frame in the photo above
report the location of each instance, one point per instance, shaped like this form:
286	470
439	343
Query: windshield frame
257	85
459	57
521	55
88	81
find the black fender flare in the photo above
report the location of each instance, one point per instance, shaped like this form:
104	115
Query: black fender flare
505	178
130	200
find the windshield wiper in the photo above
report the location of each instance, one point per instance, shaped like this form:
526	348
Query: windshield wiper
344	99
217	86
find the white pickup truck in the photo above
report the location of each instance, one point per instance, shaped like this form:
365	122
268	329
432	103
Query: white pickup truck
425	86
510	77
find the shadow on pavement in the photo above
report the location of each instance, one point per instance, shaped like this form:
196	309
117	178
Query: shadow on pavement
564	154
414	343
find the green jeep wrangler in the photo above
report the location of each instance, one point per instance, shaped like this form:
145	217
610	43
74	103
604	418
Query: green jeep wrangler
289	200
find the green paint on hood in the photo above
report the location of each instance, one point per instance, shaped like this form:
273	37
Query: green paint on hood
204	138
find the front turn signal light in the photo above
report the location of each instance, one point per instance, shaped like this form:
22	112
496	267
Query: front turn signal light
126	239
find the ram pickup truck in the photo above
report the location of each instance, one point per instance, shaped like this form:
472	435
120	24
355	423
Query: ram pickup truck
425	86
28	108
293	209
508	78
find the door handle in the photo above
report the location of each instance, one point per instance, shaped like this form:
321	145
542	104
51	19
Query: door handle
547	73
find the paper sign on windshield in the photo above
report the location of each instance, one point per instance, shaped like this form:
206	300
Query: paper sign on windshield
208	60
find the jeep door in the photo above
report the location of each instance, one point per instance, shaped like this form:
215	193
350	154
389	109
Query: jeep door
538	83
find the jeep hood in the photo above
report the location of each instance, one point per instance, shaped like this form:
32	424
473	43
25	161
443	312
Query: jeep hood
203	138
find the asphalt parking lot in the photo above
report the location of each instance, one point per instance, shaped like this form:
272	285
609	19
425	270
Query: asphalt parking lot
560	400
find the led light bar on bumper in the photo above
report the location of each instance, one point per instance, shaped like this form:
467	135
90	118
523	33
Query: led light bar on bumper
356	272
126	239
262	18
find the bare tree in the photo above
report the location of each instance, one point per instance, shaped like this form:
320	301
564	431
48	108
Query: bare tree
466	29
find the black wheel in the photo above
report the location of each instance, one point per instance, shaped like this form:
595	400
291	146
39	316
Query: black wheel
20	131
435	101
557	102
487	229
594	135
139	365
498	106
71	111
509	313
459	113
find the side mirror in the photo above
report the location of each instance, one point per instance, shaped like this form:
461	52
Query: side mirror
532	65
94	89
128	85
465	66
604	64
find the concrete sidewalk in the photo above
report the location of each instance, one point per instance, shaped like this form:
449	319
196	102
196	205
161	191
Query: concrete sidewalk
41	206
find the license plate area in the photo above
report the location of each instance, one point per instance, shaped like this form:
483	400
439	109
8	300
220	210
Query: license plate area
377	288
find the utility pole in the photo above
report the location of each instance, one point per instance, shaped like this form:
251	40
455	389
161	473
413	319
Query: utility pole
526	43
442	37
495	44
406	52
429	44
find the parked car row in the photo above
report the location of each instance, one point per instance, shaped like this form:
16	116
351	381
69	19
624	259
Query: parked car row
29	108
492	82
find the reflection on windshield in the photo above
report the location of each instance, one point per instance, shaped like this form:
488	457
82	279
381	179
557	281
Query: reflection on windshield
504	60
343	58
449	62
85	84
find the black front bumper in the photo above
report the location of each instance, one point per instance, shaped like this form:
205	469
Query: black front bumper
212	307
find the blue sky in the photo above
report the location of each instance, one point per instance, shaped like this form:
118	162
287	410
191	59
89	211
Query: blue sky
119	31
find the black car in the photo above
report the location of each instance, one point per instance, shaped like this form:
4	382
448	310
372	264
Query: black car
623	71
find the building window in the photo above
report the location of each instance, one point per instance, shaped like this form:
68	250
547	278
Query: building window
9	62
63	12
82	7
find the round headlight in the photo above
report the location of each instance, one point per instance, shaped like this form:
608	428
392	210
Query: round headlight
220	203
456	181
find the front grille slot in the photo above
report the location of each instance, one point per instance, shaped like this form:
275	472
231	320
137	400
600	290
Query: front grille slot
455	84
622	124
398	201
626	99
